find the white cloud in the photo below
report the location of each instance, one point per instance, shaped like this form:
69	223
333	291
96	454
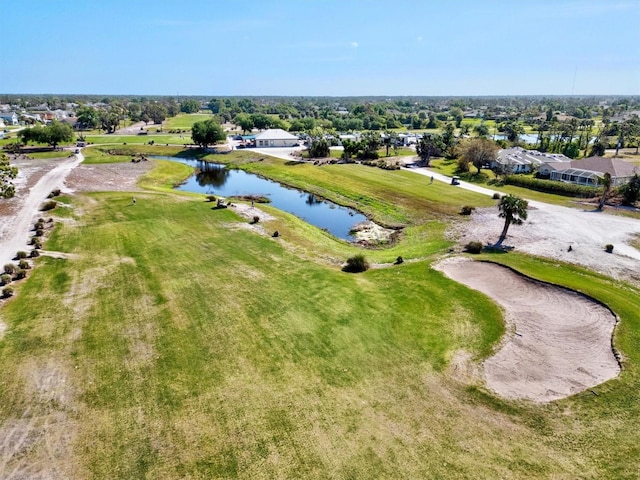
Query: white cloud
354	44
419	39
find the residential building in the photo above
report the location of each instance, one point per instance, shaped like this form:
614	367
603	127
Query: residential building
588	171
276	137
520	160
9	118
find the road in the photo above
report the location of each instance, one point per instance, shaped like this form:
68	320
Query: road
15	232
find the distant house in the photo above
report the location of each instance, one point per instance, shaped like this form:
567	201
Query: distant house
276	137
10	118
588	171
520	160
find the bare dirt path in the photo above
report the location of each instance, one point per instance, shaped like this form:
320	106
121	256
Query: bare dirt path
558	342
15	228
551	229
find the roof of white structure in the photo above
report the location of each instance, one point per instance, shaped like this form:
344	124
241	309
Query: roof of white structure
519	155
275	134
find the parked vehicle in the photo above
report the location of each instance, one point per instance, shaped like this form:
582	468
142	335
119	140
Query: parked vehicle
455	181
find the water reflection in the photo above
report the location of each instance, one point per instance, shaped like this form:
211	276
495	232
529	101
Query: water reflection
215	179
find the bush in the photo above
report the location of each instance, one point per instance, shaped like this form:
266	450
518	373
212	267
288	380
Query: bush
356	264
256	219
39	232
473	247
276	234
399	260
50	205
24	265
551	186
467	210
54	193
34	253
21	254
20	274
5	279
9	268
35	241
496	196
211	198
7	292
608	248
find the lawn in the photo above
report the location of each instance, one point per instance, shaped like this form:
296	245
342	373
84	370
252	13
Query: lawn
184	121
173	341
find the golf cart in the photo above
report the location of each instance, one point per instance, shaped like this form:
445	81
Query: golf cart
455	180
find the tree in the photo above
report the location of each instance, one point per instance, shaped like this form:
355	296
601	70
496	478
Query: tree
630	191
156	112
87	118
606	183
479	152
207	132
481	130
7	174
190	106
244	121
428	145
369	144
318	147
513	130
56	133
514	211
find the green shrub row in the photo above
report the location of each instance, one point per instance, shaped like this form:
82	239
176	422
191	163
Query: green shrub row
551	186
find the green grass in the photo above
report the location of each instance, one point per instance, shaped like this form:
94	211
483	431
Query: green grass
160	139
174	342
184	121
51	154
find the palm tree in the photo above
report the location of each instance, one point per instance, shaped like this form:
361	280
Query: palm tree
606	183
514	210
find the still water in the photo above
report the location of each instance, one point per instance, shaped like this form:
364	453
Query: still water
215	179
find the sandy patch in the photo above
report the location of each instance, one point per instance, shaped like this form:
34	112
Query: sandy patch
558	342
370	233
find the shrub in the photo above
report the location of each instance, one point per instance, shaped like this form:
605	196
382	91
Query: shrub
39	232
211	198
50	205
21	254
551	186
9	268
20	274
473	247
496	196
24	265
7	292
608	248
5	279
276	234
357	263
35	241
399	260
34	253
467	209
54	193
256	219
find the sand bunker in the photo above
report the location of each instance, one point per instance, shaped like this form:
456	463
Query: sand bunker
558	342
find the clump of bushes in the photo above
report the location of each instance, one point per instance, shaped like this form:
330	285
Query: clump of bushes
7	292
496	196
39	232
256	219
21	254
608	248
20	274
467	210
24	265
5	279
54	193
49	205
473	247
35	241
551	186
399	260
276	234
9	268
34	253
211	198
356	264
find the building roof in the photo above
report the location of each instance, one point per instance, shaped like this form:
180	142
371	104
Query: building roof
275	134
521	156
615	167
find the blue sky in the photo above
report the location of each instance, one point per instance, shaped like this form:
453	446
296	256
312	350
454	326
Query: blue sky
320	47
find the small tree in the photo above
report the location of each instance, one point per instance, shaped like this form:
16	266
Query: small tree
606	184
427	146
356	264
514	210
479	151
318	147
631	191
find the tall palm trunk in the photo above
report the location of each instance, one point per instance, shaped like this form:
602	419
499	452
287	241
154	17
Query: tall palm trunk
505	229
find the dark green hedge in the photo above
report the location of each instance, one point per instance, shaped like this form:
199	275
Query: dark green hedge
552	186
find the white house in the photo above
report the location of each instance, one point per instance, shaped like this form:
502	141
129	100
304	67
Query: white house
520	160
276	137
10	118
588	171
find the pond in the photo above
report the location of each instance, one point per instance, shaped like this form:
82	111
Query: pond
215	179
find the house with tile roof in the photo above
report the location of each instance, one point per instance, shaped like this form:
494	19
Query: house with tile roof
588	171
